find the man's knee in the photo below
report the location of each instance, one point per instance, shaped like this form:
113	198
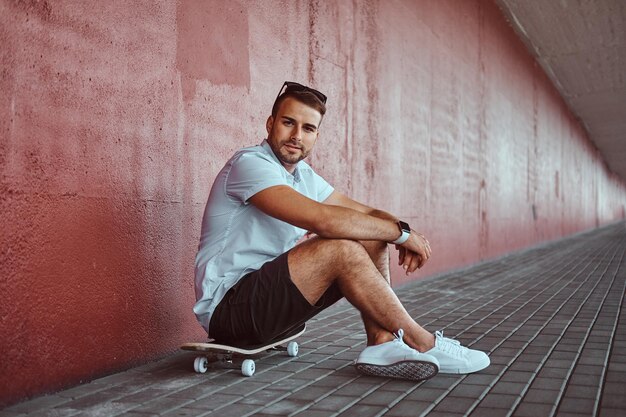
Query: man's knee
374	246
329	256
345	247
334	250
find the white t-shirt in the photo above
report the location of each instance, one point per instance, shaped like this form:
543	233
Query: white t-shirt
237	238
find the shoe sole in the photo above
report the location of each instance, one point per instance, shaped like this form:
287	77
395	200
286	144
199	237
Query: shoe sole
475	368
411	370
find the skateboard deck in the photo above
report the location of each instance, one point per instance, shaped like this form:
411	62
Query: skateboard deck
248	366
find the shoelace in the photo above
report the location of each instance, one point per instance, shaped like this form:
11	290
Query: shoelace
399	339
450	345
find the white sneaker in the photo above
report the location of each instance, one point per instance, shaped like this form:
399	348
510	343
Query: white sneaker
395	359
456	359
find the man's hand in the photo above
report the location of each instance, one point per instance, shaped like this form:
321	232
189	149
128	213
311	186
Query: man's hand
413	253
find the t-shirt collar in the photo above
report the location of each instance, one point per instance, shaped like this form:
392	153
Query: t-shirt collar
296	173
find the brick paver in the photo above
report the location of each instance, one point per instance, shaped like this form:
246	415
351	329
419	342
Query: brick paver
551	319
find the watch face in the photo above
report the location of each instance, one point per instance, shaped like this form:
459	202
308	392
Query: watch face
404	226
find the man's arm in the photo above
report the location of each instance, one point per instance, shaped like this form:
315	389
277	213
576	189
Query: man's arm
326	220
340	217
339	199
406	257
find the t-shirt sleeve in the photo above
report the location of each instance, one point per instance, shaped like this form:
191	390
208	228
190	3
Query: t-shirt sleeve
322	187
251	173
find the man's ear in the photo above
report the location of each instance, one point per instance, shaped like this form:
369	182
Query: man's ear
269	124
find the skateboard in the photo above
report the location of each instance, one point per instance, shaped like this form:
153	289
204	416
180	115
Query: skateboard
225	352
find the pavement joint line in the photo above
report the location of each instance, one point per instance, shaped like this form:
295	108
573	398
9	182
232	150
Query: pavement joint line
374	388
287	393
407	393
583	342
552	284
445	288
357	399
571	326
503	275
598	398
172	393
434	286
459	308
67	405
501	263
510	291
522	394
536	334
502	305
518	258
499	376
328	393
225	371
332	371
307	385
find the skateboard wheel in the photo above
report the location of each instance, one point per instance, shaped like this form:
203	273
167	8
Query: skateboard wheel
200	364
292	349
247	367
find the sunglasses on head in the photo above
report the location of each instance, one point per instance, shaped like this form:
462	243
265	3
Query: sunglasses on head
291	86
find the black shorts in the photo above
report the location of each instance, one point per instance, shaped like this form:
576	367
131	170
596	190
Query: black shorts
264	305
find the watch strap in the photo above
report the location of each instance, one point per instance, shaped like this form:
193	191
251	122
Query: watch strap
405	233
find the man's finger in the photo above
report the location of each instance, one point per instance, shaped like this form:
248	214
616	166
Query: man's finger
407	263
410	262
422	258
401	254
416	262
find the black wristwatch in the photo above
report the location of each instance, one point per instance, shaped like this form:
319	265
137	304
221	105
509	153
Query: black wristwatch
405	231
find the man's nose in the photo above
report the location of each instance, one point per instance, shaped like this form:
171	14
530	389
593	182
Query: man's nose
296	133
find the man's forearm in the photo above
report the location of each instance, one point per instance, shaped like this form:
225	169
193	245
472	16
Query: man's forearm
345	223
383	215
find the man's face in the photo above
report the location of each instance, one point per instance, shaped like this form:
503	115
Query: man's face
293	132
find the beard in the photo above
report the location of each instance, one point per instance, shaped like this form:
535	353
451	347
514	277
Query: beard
289	158
283	154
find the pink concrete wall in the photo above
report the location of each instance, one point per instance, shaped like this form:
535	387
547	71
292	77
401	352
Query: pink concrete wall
116	116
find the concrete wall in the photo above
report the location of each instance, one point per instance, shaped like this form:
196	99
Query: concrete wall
116	116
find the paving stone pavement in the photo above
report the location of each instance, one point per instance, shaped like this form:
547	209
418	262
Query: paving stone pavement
552	319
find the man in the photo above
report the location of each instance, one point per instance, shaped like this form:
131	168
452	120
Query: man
254	284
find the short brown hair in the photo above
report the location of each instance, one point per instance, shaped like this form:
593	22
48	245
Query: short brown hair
306	95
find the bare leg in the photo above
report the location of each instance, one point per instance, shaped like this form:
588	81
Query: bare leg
317	263
379	254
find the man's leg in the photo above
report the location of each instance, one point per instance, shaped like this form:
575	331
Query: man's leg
360	272
379	254
316	264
